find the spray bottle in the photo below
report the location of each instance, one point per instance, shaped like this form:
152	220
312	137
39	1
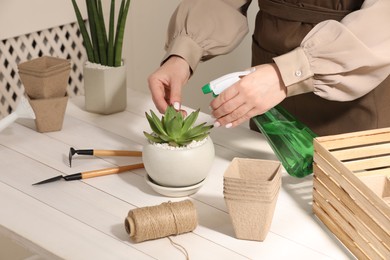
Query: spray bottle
291	140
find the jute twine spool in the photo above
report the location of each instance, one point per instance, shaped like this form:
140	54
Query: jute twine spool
166	219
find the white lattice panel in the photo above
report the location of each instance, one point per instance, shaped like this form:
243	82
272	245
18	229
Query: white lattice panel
63	42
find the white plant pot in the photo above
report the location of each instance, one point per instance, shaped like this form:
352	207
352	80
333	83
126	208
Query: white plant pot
178	168
105	89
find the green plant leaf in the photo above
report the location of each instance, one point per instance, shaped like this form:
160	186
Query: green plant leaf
101	17
92	29
120	31
183	143
158	123
200	137
170	113
110	47
180	119
152	124
196	129
166	138
164	123
196	135
153	138
190	139
83	30
189	121
174	144
99	32
173	128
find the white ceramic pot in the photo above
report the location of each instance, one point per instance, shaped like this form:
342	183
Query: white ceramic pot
178	168
105	89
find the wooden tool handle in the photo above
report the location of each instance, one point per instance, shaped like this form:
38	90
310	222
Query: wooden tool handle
117	153
113	170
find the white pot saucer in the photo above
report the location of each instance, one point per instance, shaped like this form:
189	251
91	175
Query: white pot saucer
174	191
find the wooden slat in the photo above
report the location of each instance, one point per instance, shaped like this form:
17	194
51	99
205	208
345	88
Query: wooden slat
369	163
355	139
341	198
362	152
374	205
352	184
351	223
338	231
385	172
351	233
349	203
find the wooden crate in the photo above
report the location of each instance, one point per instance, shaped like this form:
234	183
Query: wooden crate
351	190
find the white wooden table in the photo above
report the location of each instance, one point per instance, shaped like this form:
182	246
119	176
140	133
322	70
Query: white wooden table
84	219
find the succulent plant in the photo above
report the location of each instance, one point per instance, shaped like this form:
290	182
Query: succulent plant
174	129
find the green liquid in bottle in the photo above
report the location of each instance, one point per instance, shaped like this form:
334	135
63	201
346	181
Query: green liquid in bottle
291	140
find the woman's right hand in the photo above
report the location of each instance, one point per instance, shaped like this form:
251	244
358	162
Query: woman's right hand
167	81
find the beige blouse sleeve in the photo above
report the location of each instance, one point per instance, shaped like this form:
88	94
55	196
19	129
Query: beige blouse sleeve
201	29
341	60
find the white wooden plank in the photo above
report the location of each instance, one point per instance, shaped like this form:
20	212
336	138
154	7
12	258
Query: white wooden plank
95	209
56	232
125	130
16	247
243	140
210	194
215	224
68	196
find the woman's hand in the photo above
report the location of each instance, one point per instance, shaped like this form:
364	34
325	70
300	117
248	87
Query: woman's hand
253	95
166	83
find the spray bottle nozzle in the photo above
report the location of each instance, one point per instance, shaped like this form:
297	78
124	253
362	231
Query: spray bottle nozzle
206	89
220	84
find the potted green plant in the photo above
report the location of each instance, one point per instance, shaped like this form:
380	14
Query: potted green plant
179	154
105	72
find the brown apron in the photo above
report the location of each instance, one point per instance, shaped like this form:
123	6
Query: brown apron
280	27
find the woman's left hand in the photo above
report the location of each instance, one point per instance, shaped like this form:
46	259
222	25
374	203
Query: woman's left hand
253	95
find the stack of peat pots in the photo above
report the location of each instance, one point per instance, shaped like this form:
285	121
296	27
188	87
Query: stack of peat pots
251	189
45	81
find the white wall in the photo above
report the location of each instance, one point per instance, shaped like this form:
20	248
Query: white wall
19	17
144	39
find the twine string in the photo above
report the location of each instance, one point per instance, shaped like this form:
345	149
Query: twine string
180	248
164	220
169	204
